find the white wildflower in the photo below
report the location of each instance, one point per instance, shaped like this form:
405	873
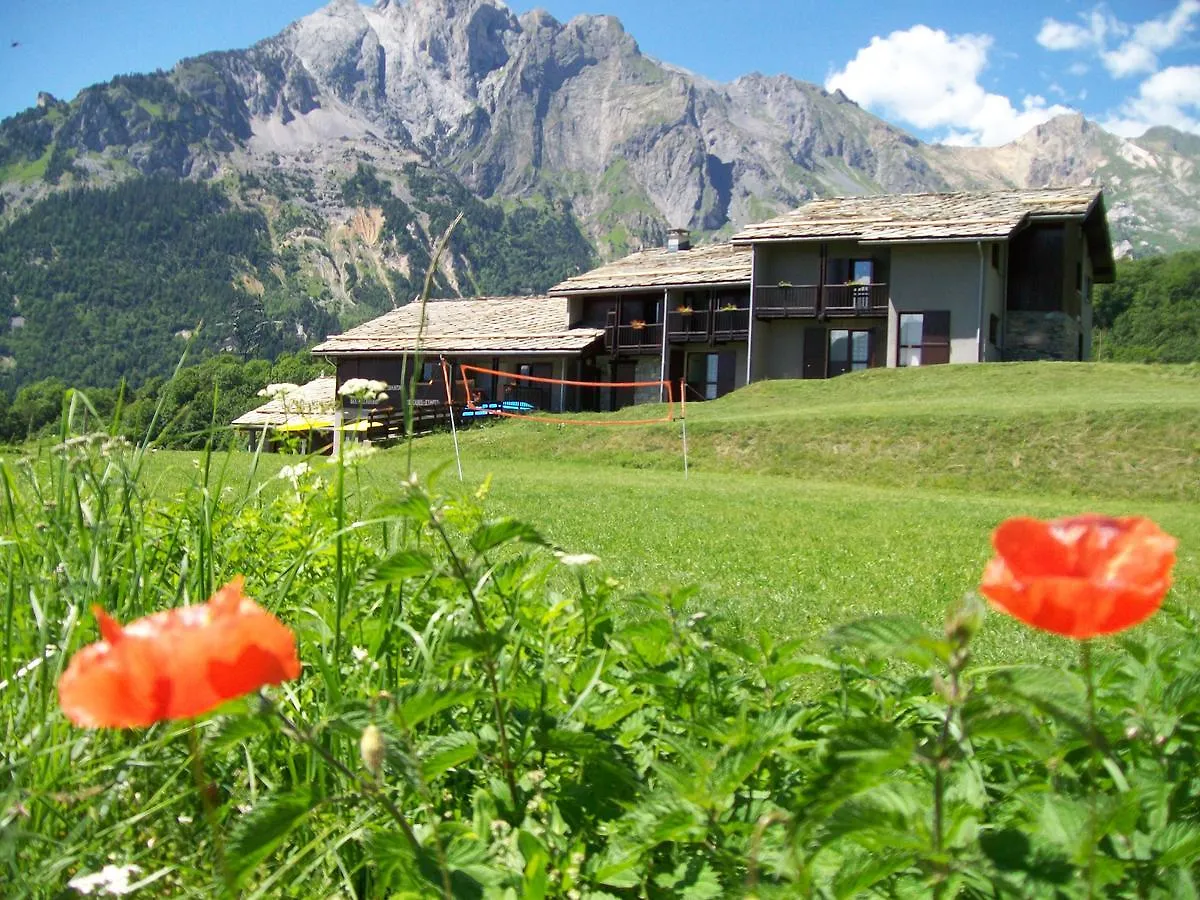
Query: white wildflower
362	388
184	820
294	473
576	559
281	391
112	880
360	654
354	454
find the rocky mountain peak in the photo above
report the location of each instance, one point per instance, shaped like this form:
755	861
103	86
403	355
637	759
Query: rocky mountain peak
525	106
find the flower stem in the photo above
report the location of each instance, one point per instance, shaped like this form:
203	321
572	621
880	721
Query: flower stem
1085	656
368	788
204	790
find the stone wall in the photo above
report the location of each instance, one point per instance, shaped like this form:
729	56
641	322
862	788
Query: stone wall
1040	335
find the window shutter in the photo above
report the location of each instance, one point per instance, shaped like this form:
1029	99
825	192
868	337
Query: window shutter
935	338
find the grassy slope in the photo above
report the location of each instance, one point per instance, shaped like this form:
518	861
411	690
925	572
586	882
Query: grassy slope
810	503
1083	430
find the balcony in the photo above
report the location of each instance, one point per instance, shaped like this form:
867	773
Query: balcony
807	300
636	339
855	299
687	327
731	325
786	302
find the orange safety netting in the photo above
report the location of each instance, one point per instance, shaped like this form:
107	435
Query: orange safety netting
496	410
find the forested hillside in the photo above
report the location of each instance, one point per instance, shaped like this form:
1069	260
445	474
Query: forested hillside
102	285
97	286
1152	312
174	412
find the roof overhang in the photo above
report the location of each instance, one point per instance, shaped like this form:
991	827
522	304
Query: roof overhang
651	289
393	354
1099	241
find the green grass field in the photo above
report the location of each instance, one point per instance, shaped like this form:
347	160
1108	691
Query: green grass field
810	503
807	505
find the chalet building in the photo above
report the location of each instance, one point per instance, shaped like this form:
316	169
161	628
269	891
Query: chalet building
527	336
834	286
679	312
920	279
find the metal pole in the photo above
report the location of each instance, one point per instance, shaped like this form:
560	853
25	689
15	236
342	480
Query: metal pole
683	423
450	407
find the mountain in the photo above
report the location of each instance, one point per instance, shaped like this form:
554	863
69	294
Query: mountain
356	134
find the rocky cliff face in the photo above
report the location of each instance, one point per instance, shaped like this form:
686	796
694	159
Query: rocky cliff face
574	113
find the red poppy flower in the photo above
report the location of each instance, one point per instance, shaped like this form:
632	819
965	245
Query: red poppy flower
1080	576
177	664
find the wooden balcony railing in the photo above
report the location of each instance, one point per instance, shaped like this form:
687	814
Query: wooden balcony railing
731	325
811	300
855	299
688	327
785	302
634	339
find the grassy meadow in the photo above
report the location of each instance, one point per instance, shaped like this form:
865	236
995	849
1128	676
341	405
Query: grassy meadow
807	505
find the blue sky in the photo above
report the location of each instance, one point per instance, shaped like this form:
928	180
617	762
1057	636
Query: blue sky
961	71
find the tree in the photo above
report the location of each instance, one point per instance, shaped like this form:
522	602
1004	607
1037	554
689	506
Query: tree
1152	310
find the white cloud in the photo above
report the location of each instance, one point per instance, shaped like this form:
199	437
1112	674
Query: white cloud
1056	35
928	79
1170	97
1137	53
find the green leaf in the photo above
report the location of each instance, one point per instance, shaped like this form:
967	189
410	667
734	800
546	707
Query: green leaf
618	869
1182	695
428	702
264	828
445	752
694	880
535	879
892	636
859	872
1177	844
400	567
414	507
491	535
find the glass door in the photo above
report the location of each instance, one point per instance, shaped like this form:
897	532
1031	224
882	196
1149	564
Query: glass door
849	351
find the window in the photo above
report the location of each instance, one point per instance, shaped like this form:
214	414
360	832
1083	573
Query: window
596	312
994	330
912	327
924	338
996	257
849	351
710	375
850	271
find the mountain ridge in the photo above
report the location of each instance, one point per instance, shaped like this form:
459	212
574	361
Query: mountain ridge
524	106
357	133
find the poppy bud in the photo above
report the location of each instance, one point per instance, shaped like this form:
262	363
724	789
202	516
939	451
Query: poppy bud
372	749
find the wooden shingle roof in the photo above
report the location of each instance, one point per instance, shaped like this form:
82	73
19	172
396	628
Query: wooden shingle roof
715	264
887	218
311	403
495	326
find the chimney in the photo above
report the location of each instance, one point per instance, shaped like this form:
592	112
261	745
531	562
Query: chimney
678	239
